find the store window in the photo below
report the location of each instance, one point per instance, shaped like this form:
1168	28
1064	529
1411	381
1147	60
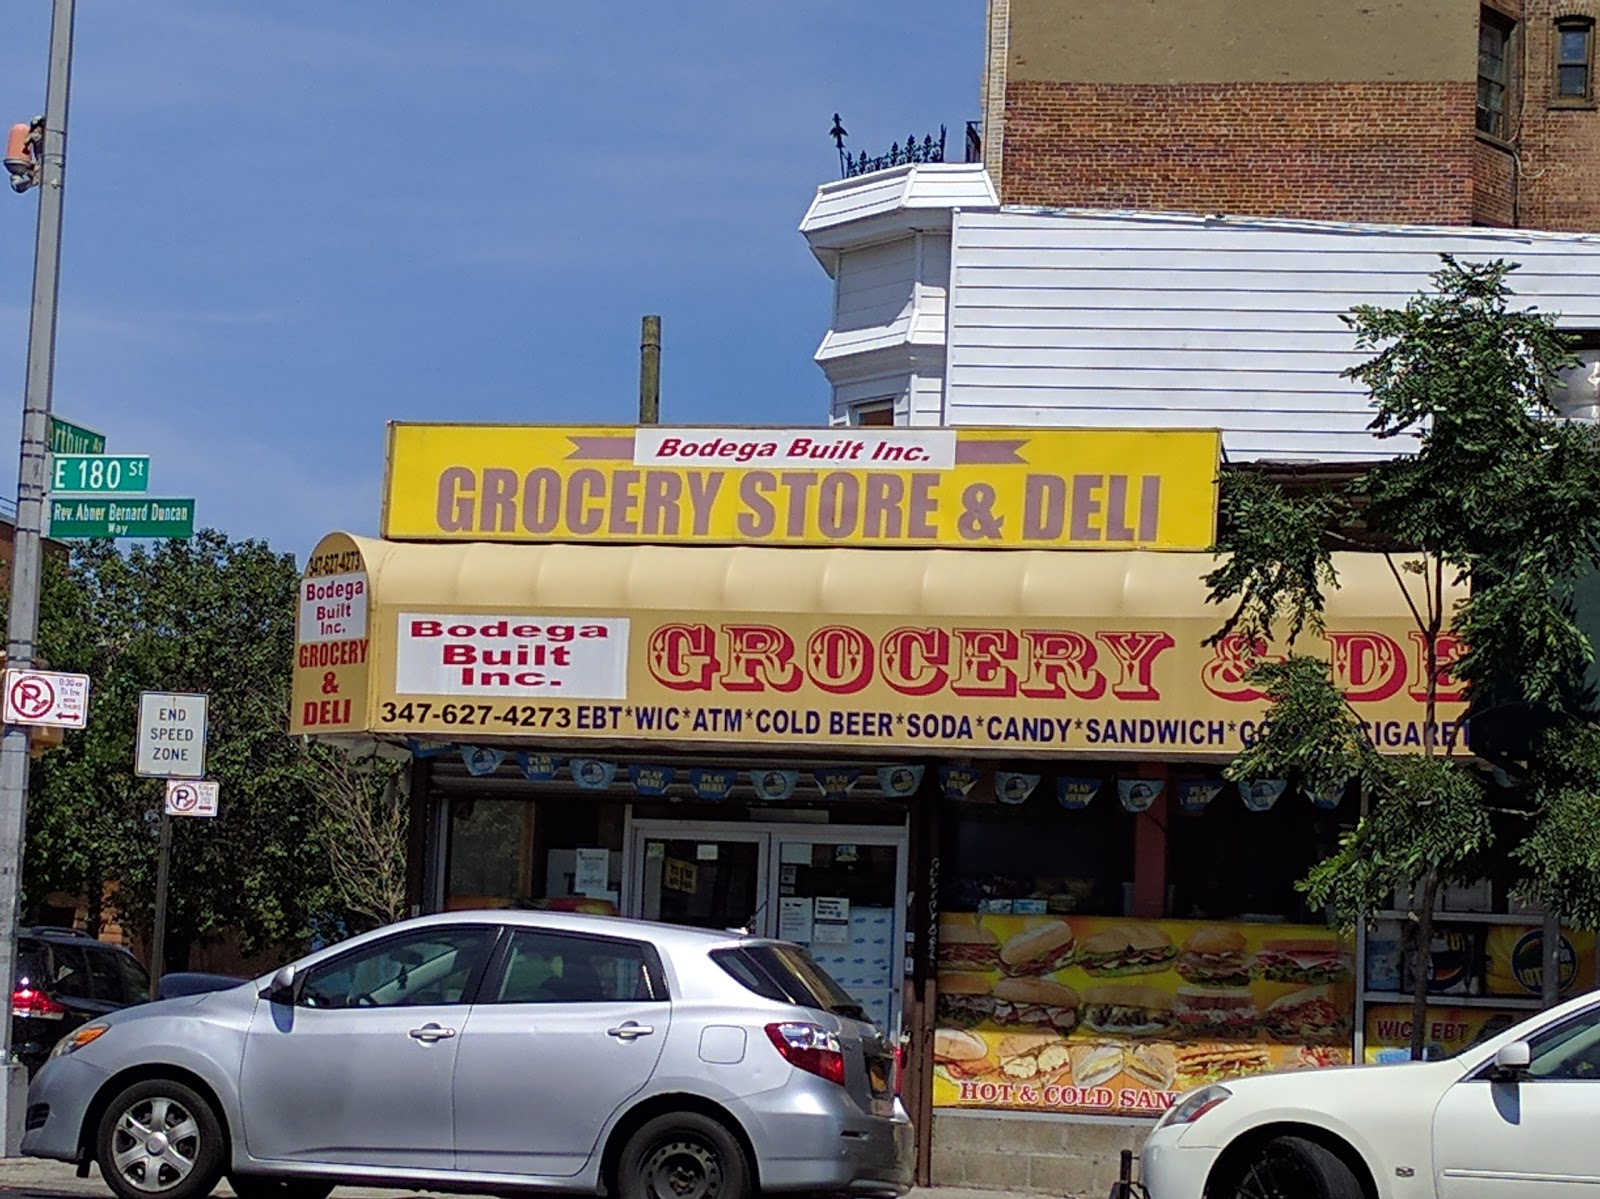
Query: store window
1494	73
1036	857
1574	60
1226	862
1119	1012
487	863
556	850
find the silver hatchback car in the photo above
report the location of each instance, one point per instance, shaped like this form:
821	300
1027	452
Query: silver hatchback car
491	1051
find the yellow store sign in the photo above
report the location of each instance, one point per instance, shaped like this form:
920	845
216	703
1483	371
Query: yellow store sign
1054	488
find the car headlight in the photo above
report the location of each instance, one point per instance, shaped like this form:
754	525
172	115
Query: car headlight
78	1038
1195	1104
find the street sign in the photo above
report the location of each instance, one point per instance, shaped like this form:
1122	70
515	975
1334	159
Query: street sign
192	799
122	518
172	736
99	474
68	438
46	697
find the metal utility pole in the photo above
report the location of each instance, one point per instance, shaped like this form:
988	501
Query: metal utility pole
1550	961
158	937
27	553
650	371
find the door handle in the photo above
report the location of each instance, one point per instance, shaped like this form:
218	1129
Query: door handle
630	1030
429	1033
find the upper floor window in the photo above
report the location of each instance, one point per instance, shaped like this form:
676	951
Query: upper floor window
1574	55
1494	73
875	415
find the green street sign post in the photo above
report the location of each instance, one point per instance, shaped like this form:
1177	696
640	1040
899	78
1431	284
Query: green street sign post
99	473
68	438
121	518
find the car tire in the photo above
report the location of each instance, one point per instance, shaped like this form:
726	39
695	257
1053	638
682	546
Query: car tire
1293	1167
187	1160
263	1186
683	1155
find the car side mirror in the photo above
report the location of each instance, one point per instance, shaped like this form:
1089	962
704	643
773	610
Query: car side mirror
281	988
1511	1061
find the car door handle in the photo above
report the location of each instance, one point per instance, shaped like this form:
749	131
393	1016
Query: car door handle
429	1033
629	1030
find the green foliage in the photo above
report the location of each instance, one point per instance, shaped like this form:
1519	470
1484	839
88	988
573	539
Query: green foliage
1313	736
206	615
1560	859
1498	492
1427	817
1276	565
1498	497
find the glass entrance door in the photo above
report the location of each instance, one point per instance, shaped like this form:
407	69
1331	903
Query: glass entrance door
840	891
842	899
711	881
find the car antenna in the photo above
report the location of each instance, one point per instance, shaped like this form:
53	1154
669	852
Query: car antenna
750	923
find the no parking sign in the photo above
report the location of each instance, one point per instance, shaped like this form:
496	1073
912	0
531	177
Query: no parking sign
191	797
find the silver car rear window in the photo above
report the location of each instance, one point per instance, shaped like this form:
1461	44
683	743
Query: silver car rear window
786	974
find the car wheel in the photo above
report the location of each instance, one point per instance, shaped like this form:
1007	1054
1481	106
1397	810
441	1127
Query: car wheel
261	1186
683	1156
1291	1168
160	1140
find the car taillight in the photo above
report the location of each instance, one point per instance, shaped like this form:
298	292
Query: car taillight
809	1047
25	1001
899	1068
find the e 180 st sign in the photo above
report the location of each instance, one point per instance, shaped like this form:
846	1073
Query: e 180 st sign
172	736
99	473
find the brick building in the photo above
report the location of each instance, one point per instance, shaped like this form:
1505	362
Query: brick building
1402	111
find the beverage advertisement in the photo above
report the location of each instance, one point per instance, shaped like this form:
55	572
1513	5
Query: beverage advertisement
1513	961
1113	1016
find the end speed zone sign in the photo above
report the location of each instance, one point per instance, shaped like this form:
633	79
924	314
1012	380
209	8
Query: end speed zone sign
191	797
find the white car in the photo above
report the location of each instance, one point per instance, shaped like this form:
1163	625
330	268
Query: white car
1517	1117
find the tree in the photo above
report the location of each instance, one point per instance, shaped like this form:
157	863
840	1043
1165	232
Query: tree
364	835
1498	498
215	616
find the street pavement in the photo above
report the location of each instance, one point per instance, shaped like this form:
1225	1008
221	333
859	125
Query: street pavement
35	1179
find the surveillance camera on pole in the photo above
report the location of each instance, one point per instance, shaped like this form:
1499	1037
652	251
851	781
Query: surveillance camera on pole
23	144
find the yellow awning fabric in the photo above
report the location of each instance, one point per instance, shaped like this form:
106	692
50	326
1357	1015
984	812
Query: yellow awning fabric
899	583
966	652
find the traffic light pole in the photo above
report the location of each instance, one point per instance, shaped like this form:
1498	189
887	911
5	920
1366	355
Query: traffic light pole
27	555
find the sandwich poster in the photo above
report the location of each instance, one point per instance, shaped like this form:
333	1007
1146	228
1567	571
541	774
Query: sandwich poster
1109	1016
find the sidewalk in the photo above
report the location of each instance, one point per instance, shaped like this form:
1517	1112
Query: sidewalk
36	1177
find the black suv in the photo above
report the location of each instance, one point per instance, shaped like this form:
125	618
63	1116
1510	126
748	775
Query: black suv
66	978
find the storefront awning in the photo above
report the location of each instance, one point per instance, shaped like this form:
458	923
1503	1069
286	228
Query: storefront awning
959	651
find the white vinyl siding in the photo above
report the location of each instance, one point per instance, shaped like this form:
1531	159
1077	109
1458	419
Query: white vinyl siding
968	313
1062	318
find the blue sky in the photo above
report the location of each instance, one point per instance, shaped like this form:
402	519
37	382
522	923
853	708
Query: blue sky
291	221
